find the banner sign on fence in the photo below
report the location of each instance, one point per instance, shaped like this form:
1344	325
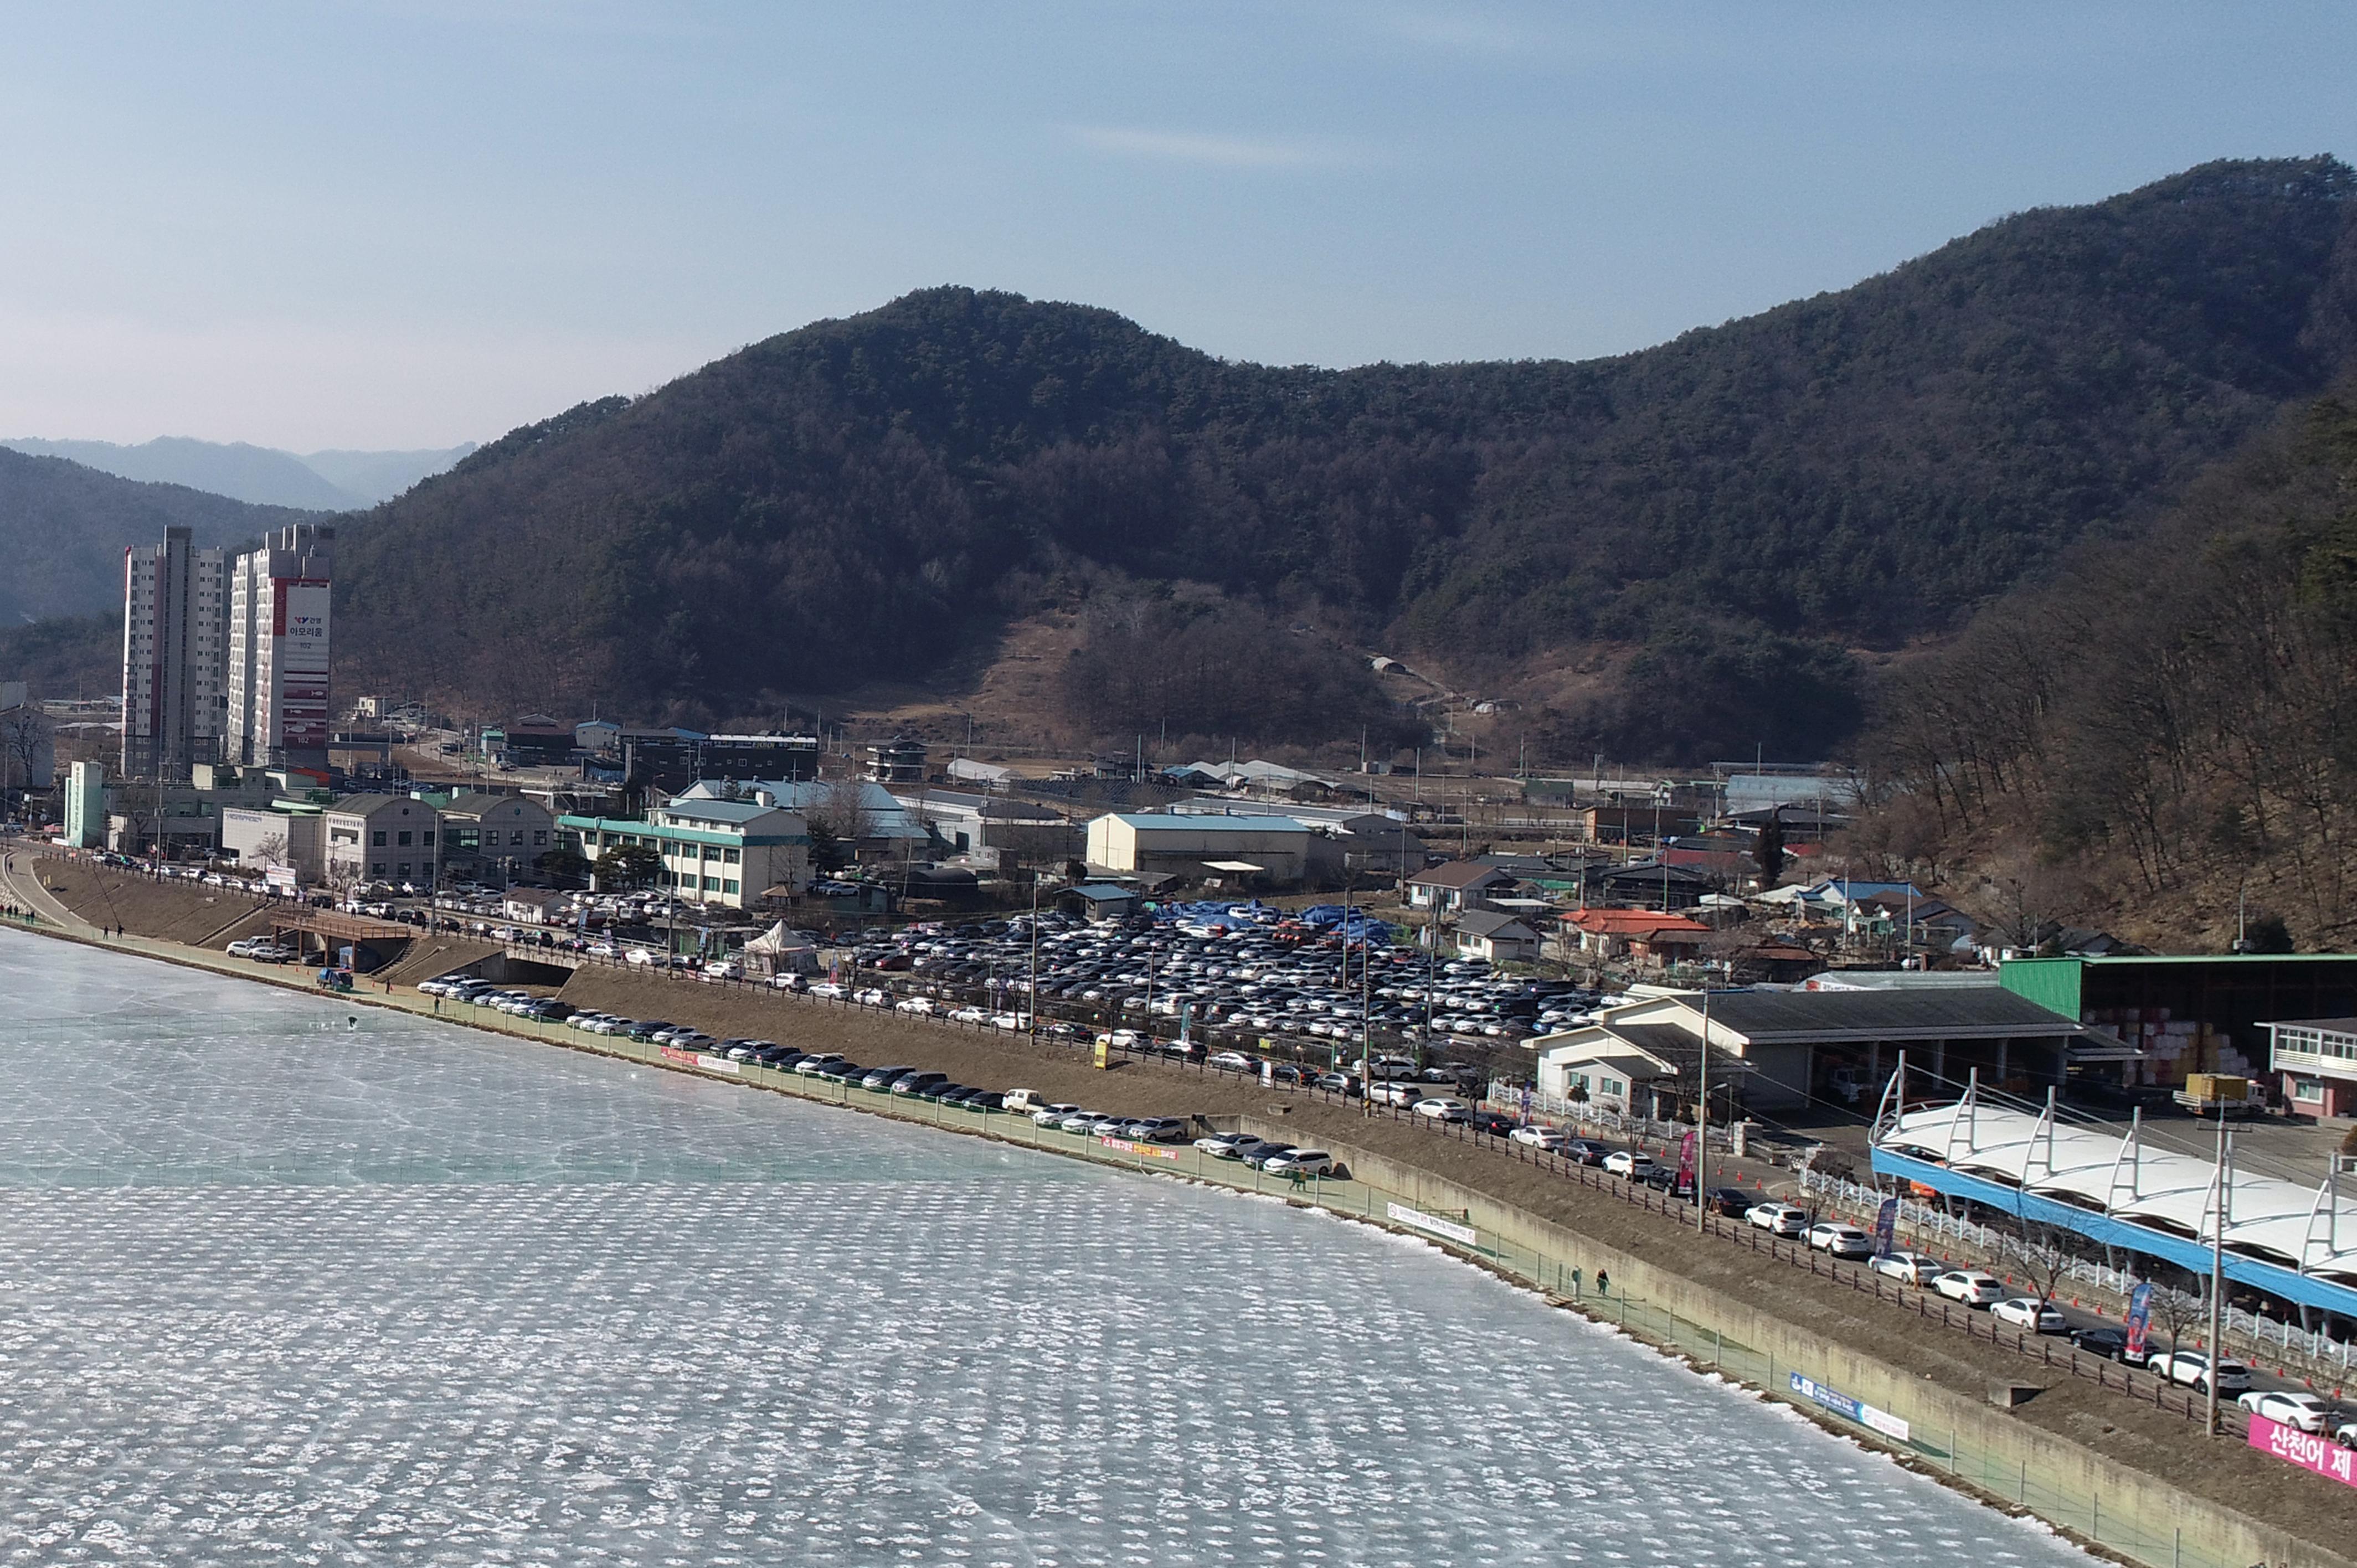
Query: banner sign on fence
1886	1227
2139	1318
2293	1446
1841	1405
1420	1220
694	1058
1151	1150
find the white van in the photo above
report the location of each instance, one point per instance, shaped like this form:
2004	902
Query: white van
1025	1101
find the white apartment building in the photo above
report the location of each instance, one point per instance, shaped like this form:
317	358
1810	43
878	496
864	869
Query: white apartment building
175	655
276	684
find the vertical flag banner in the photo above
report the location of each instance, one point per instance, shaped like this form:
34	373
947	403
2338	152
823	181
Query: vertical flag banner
1687	1159
2139	1318
1886	1227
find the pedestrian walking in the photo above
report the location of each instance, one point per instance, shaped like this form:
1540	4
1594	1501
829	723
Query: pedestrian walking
1603	1282
1575	1285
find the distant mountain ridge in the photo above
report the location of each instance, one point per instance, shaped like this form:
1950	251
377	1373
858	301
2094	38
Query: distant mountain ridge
1710	528
64	528
262	476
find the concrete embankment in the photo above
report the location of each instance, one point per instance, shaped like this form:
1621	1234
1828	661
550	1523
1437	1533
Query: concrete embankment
2136	1479
2096	1496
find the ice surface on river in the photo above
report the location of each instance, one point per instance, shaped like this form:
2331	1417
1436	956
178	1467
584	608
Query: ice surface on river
273	1291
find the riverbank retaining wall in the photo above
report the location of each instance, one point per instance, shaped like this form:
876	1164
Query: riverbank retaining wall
1972	1441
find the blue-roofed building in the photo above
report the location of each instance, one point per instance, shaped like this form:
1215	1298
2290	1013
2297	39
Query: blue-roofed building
1236	851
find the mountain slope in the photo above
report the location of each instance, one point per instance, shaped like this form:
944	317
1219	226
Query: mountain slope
313	481
2159	753
64	528
1725	515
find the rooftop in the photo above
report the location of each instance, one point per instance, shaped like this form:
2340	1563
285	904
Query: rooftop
1457	875
1155	822
1950	1013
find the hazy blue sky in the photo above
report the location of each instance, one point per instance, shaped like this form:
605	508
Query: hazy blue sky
410	222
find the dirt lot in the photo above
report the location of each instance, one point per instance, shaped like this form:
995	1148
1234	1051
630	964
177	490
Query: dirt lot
2165	1445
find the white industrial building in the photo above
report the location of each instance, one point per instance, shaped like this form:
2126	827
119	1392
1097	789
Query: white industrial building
1275	849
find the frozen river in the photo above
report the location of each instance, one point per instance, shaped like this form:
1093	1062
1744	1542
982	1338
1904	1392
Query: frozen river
273	1291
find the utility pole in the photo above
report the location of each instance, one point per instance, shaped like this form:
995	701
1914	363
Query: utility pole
1031	1007
2218	1270
1702	1119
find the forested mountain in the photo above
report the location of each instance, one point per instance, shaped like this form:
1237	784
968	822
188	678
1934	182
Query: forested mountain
64	528
1722	521
2159	751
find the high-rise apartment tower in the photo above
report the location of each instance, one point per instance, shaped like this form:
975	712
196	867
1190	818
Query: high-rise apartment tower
175	649
277	674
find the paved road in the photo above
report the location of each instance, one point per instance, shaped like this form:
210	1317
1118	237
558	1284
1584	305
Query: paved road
18	872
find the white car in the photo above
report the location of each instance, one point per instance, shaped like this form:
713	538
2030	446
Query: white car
1915	1268
2029	1312
1390	1093
1841	1240
2305	1411
1970	1286
1629	1163
969	1015
1777	1219
1442	1108
1222	1142
1048	1115
1307	1161
2191	1368
1548	1138
828	991
920	1006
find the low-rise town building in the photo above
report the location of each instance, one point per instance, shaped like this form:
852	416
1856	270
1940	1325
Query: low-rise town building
722	852
1457	886
1496	936
382	838
492	835
1235	851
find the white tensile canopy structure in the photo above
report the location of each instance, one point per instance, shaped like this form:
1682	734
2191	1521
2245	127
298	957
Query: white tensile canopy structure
2311	1230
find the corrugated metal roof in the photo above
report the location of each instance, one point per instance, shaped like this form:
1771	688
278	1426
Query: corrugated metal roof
1956	1013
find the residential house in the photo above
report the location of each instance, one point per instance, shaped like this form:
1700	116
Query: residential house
1457	886
1497	937
1639	936
1650	883
531	905
2316	1059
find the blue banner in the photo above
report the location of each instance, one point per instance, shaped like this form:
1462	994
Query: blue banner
1886	1227
2139	1318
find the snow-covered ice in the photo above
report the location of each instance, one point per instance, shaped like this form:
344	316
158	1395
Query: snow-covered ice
277	1291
